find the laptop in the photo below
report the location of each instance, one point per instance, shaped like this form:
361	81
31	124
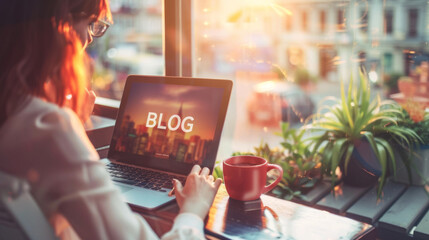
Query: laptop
165	125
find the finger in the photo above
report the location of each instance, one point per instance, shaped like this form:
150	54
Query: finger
171	193
92	95
196	169
205	172
210	178
178	190
177	186
217	183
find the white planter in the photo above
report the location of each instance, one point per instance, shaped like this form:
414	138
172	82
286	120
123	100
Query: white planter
419	170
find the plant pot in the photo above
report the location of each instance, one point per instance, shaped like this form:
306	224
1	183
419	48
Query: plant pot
419	169
364	168
407	87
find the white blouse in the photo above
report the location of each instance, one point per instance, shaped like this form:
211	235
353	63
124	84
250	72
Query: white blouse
47	145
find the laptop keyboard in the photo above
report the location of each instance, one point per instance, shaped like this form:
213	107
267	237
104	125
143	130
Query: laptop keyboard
142	177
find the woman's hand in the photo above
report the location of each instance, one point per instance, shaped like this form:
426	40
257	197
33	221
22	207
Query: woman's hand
198	193
87	106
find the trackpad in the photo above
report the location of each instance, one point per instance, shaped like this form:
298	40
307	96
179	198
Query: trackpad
123	188
147	198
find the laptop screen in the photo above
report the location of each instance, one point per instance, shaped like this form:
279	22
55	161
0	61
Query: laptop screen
170	123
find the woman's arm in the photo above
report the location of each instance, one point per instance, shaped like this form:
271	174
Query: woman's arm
80	189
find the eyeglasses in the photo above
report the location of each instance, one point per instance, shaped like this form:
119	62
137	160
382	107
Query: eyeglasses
98	28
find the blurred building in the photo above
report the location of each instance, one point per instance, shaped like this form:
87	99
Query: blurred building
330	38
335	36
137	22
132	45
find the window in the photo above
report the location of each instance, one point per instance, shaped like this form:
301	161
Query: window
413	15
322	21
341	25
132	45
388	21
248	53
362	59
363	20
288	23
388	63
230	39
304	23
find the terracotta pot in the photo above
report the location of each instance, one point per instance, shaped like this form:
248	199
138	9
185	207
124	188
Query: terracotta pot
407	87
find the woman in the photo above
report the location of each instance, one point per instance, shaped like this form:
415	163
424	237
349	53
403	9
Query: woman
42	106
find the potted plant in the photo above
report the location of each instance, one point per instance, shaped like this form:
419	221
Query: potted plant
355	134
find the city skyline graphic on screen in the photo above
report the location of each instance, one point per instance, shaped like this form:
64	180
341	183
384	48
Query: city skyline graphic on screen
173	122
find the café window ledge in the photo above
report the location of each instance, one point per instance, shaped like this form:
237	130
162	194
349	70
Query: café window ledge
106	107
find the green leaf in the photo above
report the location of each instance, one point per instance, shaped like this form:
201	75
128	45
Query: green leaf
389	150
370	137
383	162
349	152
217	173
346	109
286	145
337	153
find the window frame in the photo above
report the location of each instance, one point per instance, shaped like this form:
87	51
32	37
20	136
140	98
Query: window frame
177	34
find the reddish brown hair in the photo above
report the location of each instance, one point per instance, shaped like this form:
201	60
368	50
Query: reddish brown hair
38	44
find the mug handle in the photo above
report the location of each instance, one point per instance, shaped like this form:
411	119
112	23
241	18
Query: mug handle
273	184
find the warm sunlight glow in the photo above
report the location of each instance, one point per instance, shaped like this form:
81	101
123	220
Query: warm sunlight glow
338	190
280	10
267	86
252	10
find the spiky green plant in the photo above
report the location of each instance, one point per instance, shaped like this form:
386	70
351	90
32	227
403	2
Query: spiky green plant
301	170
355	117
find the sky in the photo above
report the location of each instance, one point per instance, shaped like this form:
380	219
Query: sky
202	103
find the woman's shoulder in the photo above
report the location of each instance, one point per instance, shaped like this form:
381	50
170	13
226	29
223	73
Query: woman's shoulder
50	114
36	107
37	116
47	128
33	108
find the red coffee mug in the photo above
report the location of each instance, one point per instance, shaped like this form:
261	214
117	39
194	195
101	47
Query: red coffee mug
245	177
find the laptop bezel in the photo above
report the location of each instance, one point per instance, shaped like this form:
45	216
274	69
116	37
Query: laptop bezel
165	164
